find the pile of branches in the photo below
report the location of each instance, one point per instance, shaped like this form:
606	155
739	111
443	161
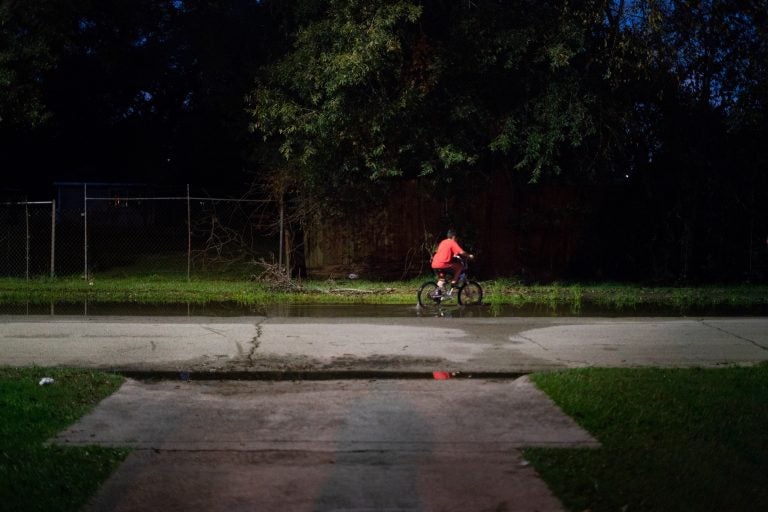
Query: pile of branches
276	278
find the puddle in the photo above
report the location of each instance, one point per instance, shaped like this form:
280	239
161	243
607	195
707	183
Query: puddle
318	375
232	309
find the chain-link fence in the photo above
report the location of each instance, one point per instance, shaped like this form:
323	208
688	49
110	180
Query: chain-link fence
124	231
179	236
27	239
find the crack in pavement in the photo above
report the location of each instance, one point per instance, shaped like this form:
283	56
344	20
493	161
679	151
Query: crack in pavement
531	340
562	360
743	338
214	331
255	342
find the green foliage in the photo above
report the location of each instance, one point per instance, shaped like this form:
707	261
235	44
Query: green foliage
30	41
687	439
366	92
33	474
344	67
399	89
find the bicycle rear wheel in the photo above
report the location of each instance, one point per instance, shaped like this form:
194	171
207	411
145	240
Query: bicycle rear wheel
471	294
427	294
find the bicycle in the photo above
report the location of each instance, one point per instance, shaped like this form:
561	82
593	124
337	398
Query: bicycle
467	292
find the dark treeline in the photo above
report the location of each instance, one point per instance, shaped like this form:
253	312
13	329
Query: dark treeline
654	112
130	90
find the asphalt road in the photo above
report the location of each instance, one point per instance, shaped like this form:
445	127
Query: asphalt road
260	344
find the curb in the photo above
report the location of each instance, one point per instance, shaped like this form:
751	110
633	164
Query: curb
314	375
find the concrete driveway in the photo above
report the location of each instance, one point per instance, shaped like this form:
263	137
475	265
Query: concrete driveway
413	445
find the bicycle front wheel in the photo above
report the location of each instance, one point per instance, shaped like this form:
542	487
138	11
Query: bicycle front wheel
427	294
471	294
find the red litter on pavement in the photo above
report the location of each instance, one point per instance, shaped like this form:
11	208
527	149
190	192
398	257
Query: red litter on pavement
441	375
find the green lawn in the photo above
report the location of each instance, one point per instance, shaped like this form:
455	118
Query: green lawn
36	476
560	298
680	439
673	440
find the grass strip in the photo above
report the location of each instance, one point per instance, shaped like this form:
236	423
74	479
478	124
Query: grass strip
35	475
556	298
673	439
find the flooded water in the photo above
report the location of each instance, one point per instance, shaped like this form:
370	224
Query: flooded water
231	309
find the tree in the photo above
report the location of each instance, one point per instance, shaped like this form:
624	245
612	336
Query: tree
372	90
128	90
335	100
687	209
31	36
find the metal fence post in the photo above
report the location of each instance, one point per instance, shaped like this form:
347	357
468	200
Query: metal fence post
282	233
85	230
53	238
189	237
26	217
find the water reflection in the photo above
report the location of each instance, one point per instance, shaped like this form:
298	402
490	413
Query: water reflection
232	309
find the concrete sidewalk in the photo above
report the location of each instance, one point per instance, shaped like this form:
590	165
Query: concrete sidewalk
259	344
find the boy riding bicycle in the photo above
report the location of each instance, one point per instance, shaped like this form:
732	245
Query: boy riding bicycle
443	261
